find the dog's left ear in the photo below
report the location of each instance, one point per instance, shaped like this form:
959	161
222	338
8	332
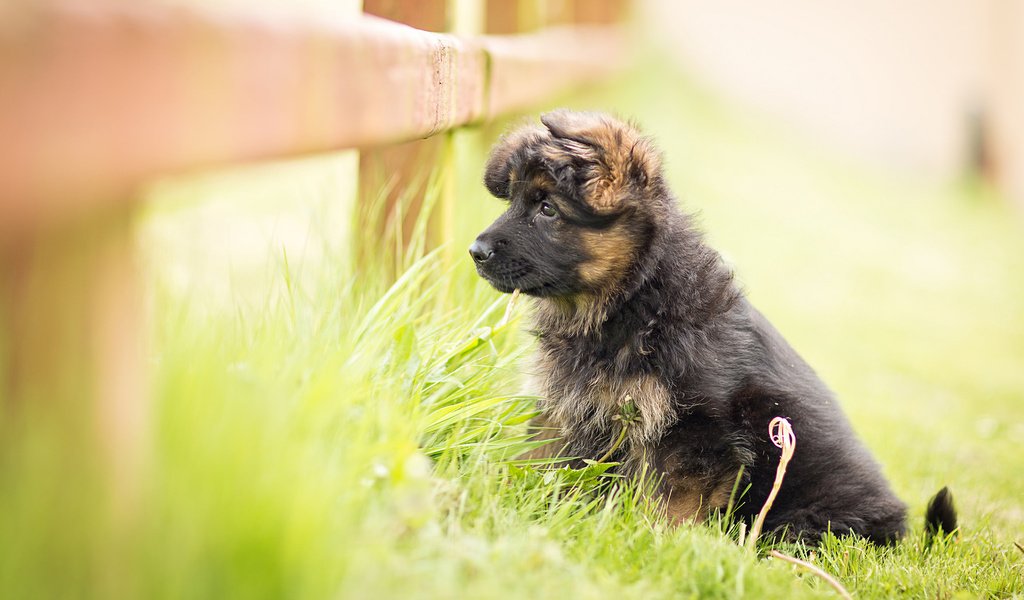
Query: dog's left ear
626	161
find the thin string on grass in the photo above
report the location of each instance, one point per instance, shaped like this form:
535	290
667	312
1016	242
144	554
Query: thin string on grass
781	432
832	581
1019	547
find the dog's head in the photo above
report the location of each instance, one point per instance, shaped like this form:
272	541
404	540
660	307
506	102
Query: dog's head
582	196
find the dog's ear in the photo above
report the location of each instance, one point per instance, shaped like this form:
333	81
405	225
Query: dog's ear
583	127
626	162
506	157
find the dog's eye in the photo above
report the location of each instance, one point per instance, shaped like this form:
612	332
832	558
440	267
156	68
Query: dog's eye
547	210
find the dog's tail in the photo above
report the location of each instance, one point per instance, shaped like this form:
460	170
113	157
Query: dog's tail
940	517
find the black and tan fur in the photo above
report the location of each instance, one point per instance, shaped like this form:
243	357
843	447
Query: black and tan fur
633	307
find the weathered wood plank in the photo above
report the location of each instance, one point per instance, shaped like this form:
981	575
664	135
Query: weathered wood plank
97	99
526	68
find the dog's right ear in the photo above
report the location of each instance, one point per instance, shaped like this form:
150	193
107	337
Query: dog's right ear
507	156
624	161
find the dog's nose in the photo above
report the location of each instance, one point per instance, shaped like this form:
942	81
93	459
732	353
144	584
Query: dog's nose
481	250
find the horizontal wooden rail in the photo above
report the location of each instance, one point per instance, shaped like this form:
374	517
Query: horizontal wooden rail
99	98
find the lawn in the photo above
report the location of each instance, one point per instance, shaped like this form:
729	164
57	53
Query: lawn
320	431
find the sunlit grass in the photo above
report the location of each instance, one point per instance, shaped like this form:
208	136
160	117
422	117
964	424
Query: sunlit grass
331	428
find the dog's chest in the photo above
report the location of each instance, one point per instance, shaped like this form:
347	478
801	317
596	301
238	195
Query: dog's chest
591	404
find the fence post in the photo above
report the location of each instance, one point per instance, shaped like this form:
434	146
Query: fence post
403	169
74	412
72	321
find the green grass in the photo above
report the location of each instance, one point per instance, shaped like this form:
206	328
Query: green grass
318	432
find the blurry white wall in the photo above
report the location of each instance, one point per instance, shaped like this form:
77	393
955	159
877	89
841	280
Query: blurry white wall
895	82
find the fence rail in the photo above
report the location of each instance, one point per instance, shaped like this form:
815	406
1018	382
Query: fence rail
100	98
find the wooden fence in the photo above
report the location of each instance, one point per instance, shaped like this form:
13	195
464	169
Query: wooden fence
99	98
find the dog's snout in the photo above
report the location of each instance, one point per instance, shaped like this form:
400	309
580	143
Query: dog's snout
481	250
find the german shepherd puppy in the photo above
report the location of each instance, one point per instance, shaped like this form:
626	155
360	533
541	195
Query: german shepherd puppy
635	313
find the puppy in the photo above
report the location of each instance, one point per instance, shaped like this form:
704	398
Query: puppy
641	326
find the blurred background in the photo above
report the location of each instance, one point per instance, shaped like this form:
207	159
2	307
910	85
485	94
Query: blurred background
242	351
932	88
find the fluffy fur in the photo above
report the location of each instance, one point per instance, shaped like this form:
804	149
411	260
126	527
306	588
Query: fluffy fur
633	308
